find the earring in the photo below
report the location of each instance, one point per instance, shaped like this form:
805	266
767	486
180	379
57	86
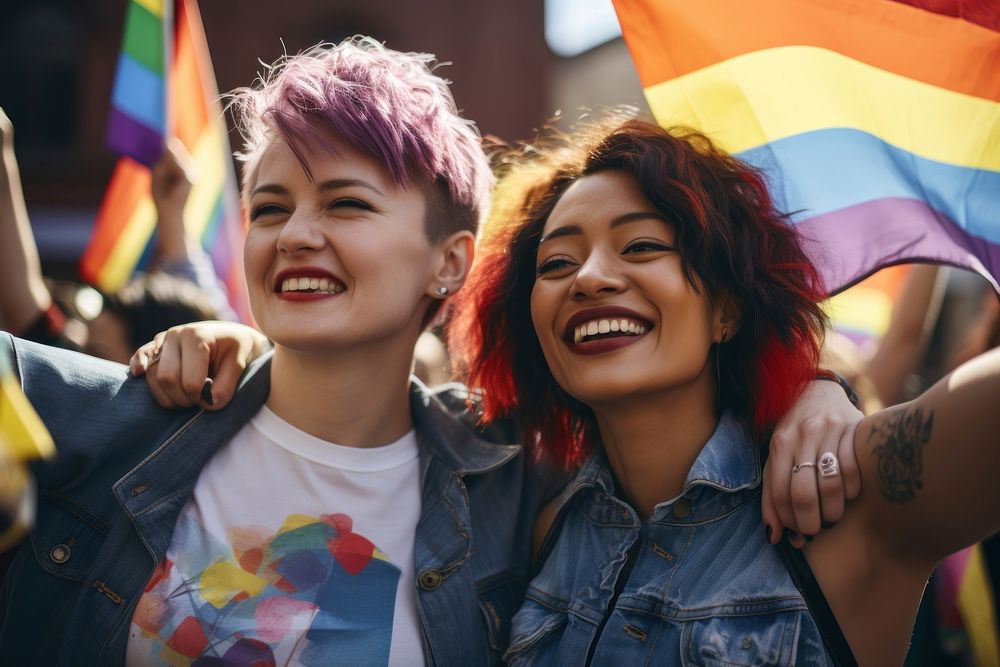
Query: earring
441	291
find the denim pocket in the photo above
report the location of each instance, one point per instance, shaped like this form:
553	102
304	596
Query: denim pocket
68	537
741	641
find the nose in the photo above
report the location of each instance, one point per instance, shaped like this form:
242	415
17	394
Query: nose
300	232
596	277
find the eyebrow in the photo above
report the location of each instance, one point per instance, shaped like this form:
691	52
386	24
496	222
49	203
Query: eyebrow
624	219
325	186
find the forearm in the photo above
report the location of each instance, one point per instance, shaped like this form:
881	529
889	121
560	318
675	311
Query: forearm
24	295
903	345
930	467
171	186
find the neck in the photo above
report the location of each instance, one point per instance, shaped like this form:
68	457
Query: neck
652	441
356	398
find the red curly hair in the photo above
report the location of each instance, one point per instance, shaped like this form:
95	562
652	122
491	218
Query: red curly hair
729	236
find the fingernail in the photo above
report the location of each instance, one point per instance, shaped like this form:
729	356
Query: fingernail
206	392
768	531
827	525
792	535
809	538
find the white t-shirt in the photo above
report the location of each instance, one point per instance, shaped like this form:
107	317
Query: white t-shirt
292	551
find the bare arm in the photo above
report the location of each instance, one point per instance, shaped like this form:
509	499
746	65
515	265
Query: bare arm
171	187
930	466
903	345
24	296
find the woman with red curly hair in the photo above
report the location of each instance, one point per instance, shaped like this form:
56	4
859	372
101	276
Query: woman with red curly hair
642	308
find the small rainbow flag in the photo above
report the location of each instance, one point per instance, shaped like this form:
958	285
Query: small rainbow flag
23	437
138	122
876	121
863	312
966	605
122	241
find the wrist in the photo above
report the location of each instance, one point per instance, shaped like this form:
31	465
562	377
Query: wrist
830	376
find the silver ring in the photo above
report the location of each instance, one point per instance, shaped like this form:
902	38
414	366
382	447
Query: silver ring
829	465
799	466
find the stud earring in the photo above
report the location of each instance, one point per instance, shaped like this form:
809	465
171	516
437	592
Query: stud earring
441	291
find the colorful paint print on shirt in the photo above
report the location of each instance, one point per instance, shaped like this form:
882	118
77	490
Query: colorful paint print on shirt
312	593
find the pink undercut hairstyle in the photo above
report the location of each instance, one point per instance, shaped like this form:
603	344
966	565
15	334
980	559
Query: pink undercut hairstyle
386	103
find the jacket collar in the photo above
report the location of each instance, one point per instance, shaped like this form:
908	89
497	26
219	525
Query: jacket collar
450	441
729	462
154	491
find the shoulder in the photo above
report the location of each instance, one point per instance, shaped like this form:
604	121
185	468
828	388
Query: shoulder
94	411
62	384
42	369
462	405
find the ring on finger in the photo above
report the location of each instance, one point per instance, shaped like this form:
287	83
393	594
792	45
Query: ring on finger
799	466
154	357
829	465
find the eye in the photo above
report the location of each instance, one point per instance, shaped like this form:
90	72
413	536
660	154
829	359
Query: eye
351	203
647	245
553	264
265	209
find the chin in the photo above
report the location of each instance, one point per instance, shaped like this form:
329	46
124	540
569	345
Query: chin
603	392
312	341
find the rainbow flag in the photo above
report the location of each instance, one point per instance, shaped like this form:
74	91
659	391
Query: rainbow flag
122	241
863	312
877	122
137	121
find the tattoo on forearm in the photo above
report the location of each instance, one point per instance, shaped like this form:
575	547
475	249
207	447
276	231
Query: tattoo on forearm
899	449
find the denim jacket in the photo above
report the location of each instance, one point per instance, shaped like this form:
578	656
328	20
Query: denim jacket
108	503
705	587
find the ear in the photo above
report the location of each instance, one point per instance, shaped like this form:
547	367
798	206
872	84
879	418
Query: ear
727	316
454	259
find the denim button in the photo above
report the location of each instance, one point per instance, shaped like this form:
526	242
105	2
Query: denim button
60	554
430	579
682	508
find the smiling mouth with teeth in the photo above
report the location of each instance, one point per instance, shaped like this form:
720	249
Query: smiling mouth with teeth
312	285
607	328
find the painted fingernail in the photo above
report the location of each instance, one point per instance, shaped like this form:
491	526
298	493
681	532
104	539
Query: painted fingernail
206	392
809	538
768	531
792	535
827	525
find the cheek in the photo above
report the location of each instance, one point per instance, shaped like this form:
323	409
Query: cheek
258	254
256	251
542	316
544	307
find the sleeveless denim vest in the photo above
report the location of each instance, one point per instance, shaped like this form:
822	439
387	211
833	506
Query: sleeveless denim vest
704	588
